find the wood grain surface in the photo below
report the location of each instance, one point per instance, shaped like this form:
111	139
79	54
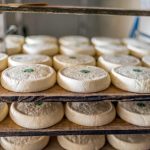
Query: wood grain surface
59	94
65	127
56	9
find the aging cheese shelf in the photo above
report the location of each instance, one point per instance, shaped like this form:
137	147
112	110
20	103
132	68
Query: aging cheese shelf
59	94
65	127
57	9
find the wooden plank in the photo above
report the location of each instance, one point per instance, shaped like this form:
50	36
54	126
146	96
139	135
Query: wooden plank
65	127
78	10
59	94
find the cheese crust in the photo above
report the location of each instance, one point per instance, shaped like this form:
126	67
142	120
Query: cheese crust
129	142
63	61
24	143
3	61
36	115
131	78
137	113
82	142
23	59
83	79
28	78
90	113
3	110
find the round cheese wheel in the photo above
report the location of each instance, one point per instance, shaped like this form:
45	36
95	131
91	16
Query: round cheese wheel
24	143
37	39
129	142
41	48
139	49
105	41
111	50
128	41
132	78
90	113
146	61
108	62
17	60
3	61
36	115
28	78
73	40
83	79
82	142
3	110
72	50
15	39
62	61
13	48
137	113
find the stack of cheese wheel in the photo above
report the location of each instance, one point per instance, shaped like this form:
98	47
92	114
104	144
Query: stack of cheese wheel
73	45
62	61
36	115
137	113
111	50
108	62
90	113
101	41
146	61
27	78
130	142
132	78
23	59
41	44
139	49
3	110
24	143
82	142
3	61
85	79
14	44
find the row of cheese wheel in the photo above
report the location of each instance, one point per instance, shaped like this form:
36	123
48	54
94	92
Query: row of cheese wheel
79	78
80	142
38	115
72	45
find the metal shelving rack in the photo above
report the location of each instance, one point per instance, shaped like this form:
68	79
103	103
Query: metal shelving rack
8	128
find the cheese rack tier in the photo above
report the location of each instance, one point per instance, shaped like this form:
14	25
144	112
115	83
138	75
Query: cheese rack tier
118	126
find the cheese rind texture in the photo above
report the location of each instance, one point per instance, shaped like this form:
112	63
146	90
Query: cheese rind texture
146	61
104	41
72	50
131	78
28	78
36	115
82	142
137	113
111	50
15	39
73	40
108	62
24	143
129	142
23	59
49	49
3	110
37	39
83	79
62	61
90	113
3	61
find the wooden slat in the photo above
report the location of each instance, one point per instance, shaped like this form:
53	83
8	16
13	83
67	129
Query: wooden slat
59	94
65	127
76	10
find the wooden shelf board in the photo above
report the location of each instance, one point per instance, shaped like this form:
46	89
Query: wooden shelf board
59	94
65	127
79	10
